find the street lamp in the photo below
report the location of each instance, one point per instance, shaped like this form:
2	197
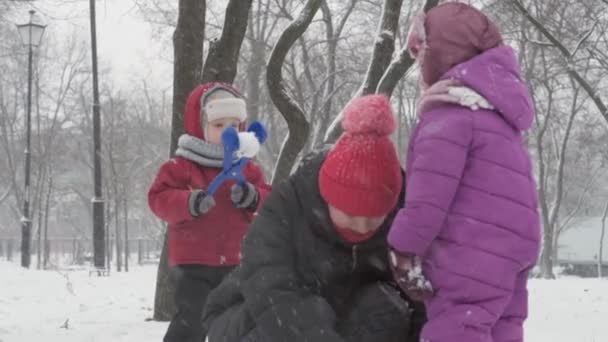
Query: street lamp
31	34
98	202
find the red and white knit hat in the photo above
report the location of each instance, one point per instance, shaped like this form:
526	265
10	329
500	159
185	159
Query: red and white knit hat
361	175
222	102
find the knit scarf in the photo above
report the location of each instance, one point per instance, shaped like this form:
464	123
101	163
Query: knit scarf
200	151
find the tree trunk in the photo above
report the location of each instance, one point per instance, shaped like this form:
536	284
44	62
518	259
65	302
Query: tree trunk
9	250
600	255
39	232
254	75
553	215
47	245
546	258
292	113
383	47
164	307
108	237
382	53
223	56
126	229
140	252
187	69
117	230
333	36
332	47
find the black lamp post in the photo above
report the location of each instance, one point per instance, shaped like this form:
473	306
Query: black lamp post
98	202
31	34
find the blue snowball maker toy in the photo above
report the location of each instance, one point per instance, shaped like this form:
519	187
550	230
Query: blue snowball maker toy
239	148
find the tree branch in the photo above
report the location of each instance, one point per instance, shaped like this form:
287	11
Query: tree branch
591	181
4	196
384	46
292	113
601	106
400	65
223	57
583	39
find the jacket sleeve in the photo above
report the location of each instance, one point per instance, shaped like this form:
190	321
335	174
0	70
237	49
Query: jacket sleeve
283	309
439	155
168	196
259	181
418	320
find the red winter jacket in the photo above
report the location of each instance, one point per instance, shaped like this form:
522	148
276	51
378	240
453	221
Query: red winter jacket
213	238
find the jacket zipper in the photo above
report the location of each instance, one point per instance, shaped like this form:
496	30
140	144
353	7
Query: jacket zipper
354	256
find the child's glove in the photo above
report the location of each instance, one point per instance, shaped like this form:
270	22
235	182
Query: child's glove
407	271
199	203
245	196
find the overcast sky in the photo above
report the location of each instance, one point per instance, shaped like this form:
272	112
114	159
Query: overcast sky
125	40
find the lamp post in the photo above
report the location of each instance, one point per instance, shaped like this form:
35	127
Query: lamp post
31	34
98	202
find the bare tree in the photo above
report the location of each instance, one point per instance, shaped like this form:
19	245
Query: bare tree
333	35
382	76
188	56
553	70
569	57
400	64
294	115
551	211
261	26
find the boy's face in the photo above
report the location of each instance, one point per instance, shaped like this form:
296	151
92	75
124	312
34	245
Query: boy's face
358	224
216	127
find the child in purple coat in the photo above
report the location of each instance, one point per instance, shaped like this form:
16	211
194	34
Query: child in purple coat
469	231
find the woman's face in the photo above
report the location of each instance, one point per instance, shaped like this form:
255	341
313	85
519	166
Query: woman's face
358	224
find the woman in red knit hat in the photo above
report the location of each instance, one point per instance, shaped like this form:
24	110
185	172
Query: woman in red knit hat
315	260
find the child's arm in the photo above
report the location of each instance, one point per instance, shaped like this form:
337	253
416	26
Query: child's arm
281	307
252	198
439	156
169	196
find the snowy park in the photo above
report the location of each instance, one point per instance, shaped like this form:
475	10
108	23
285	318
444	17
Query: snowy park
304	170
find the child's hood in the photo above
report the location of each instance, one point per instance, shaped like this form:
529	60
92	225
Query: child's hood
192	112
495	75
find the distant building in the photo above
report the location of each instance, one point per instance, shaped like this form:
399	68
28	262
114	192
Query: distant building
578	248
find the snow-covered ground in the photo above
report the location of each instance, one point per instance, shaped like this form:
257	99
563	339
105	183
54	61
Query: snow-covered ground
34	306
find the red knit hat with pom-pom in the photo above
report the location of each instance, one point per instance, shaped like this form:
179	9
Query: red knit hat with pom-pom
361	175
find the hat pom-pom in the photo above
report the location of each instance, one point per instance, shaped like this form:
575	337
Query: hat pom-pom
369	114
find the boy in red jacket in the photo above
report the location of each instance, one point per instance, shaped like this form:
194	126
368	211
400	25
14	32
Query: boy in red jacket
205	232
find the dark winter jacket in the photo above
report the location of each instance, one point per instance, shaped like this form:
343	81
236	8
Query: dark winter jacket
298	274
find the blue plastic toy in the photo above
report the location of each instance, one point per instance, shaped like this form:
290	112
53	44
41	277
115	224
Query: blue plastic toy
237	154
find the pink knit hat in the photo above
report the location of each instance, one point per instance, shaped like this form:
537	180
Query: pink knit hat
450	34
